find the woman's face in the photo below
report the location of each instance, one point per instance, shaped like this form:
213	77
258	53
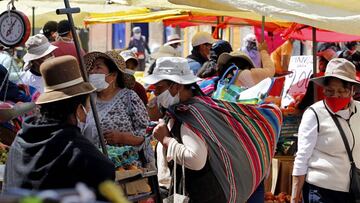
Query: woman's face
335	88
161	87
100	67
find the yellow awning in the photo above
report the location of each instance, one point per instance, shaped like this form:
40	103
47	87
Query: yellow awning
45	10
144	15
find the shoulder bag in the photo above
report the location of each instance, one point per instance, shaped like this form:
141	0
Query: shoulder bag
354	171
177	198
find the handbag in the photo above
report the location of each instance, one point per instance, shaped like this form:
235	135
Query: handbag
177	198
226	90
354	171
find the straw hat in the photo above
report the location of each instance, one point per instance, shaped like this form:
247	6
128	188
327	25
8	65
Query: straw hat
114	56
339	68
62	79
224	58
175	69
37	47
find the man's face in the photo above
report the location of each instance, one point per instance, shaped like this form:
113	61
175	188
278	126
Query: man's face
251	45
176	45
37	62
205	50
131	64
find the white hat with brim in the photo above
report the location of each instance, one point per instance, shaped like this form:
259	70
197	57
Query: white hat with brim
175	69
202	38
164	51
339	68
39	52
174	42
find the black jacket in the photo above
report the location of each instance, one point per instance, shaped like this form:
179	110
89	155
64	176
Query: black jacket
54	156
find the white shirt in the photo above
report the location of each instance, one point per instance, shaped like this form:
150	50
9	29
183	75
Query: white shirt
307	140
193	151
33	80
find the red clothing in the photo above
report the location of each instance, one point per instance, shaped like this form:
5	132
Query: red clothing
141	92
66	48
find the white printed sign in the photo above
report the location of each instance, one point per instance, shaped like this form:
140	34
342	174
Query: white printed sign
296	83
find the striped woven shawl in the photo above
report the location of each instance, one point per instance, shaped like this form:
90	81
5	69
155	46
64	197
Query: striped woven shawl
241	140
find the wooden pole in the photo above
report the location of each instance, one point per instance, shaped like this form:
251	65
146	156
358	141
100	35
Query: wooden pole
314	50
263	29
33	21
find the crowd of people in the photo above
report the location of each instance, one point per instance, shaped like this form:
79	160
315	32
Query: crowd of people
224	147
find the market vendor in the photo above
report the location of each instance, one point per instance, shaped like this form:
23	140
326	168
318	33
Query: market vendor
250	75
38	50
122	114
322	169
50	152
189	138
131	65
201	43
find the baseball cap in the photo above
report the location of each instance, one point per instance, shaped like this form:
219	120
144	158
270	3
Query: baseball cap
202	38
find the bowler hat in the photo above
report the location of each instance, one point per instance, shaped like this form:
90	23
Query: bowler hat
62	79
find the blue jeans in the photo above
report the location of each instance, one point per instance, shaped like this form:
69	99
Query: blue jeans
315	194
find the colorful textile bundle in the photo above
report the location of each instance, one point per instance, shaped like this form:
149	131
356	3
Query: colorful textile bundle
241	140
208	85
123	156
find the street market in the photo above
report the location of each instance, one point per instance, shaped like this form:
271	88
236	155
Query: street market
178	101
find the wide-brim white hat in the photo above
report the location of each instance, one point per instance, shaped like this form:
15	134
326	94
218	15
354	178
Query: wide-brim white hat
175	69
174	42
339	68
164	51
39	52
37	47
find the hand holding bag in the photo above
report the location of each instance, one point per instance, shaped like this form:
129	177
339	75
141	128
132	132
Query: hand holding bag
177	198
354	171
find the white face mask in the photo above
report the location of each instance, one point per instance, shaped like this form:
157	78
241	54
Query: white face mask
99	82
129	71
81	124
137	36
165	99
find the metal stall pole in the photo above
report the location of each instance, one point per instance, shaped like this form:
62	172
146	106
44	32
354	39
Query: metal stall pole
69	11
314	50
33	21
263	29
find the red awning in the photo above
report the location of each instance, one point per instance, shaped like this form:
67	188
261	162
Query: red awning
304	32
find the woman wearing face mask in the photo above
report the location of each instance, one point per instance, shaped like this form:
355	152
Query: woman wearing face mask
122	114
50	152
322	167
184	137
